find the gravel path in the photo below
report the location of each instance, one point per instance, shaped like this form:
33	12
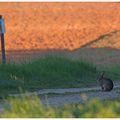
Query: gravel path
60	97
78	95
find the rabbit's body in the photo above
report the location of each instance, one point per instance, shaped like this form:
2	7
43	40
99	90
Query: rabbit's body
105	83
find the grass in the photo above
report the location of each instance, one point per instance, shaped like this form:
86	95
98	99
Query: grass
48	72
112	72
31	107
52	72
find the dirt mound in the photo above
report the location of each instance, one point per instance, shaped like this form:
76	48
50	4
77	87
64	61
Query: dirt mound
57	25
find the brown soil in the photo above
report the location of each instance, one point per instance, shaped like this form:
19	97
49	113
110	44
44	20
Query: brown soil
57	25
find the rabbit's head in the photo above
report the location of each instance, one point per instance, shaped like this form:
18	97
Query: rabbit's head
100	77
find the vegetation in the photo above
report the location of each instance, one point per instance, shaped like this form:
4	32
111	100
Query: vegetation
29	107
49	72
112	72
52	72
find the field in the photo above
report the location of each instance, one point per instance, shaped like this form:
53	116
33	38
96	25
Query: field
54	46
36	29
57	25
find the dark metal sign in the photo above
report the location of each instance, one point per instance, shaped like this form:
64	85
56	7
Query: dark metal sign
2	31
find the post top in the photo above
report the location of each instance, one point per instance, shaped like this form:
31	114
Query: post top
0	16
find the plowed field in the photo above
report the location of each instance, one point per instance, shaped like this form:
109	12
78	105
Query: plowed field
57	25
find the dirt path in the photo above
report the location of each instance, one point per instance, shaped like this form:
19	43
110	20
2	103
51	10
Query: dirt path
78	95
60	97
60	100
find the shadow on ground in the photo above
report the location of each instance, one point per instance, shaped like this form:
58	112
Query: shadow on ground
97	56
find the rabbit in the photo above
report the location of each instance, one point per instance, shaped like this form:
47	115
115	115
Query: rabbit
105	83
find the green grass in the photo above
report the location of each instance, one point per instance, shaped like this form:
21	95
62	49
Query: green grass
112	72
31	107
53	72
49	72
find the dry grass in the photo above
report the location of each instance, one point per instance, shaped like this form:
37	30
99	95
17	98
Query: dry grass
57	25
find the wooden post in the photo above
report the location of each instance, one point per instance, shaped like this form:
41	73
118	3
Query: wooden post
2	31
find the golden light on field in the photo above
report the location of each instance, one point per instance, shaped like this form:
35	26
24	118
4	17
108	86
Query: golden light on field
57	25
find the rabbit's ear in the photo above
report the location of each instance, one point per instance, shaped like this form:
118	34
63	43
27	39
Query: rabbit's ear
102	74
